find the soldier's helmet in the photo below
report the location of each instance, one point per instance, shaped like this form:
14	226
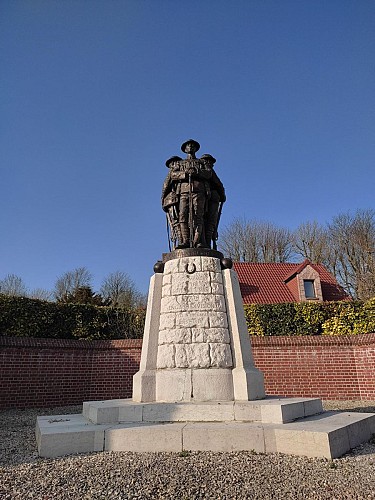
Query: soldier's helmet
171	160
190	141
209	158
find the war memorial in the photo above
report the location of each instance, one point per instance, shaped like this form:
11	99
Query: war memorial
197	388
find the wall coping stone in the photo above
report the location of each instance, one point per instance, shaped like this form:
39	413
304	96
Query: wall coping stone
316	340
70	343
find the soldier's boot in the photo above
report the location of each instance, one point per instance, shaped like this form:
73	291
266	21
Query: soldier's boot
208	236
178	236
199	238
210	229
184	236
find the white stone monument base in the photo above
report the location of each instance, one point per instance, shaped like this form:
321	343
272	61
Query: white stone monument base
293	426
196	345
209	384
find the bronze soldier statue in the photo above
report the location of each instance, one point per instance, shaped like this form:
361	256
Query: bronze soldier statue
214	203
192	197
170	201
194	191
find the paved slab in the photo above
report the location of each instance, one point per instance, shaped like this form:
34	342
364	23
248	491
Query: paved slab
223	437
329	435
66	434
326	435
268	410
113	411
145	437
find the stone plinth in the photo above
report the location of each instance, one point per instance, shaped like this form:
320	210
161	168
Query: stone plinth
196	345
293	426
270	410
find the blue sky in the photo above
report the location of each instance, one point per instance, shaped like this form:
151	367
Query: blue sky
96	95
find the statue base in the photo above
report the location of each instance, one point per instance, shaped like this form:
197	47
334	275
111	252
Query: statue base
180	253
196	346
294	426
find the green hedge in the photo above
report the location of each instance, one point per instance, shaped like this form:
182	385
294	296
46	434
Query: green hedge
23	317
311	318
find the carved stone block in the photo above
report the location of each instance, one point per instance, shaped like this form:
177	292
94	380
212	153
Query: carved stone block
200	356
198	335
219	335
198	319
167	320
216	277
175	336
210	264
218	320
221	356
166	357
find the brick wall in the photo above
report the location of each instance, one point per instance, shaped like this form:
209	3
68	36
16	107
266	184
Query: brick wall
325	367
53	372
57	372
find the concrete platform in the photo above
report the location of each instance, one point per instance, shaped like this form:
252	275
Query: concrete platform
268	410
234	426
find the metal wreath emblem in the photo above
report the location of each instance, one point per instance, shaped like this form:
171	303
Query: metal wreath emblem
192	270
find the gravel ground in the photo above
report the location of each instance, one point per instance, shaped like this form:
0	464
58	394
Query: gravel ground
123	475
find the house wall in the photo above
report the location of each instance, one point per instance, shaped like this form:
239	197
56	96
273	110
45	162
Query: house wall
308	273
54	372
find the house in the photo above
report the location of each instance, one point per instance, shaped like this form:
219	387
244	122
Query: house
270	283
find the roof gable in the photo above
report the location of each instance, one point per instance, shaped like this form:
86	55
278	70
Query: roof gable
298	269
270	283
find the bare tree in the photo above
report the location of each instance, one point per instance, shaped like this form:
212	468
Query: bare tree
13	286
40	294
239	242
120	291
310	241
275	243
352	252
69	282
254	241
83	295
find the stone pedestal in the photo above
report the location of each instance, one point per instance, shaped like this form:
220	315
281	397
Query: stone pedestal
196	345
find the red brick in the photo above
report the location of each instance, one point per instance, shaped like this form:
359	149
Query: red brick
46	372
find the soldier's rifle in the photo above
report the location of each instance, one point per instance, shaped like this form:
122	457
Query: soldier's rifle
171	232
191	224
168	233
216	232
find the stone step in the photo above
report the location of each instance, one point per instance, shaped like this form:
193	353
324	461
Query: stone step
328	435
59	435
268	410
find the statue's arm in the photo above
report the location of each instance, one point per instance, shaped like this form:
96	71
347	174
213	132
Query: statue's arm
167	186
218	185
205	174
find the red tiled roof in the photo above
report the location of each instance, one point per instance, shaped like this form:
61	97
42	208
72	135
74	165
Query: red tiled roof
298	269
265	283
331	290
